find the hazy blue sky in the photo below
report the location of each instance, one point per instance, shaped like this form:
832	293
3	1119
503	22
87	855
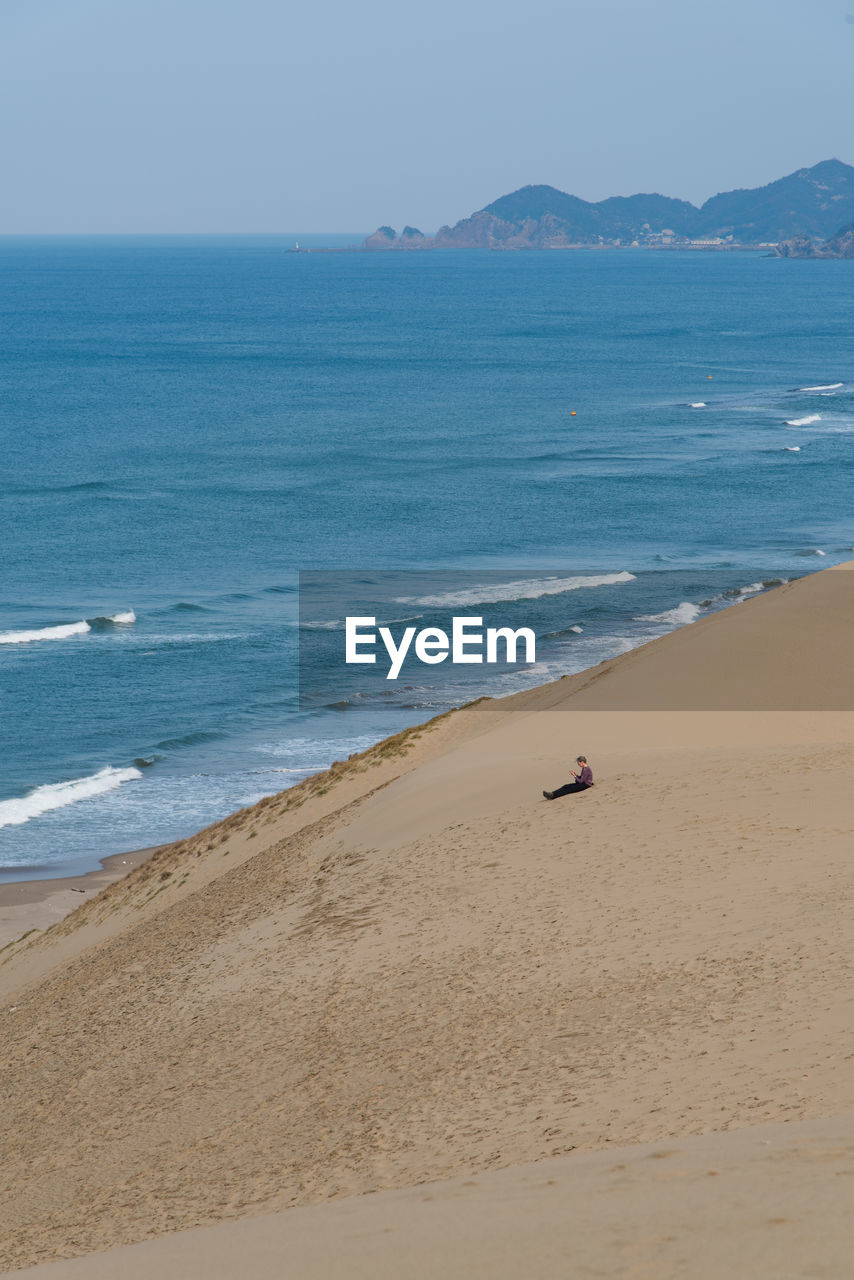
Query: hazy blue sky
209	115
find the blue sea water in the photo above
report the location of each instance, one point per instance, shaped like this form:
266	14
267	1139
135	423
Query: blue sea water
186	423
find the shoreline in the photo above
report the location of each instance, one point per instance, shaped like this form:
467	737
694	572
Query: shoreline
413	969
28	906
35	903
768	250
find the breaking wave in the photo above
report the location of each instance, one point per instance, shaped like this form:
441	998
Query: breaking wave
829	386
676	617
45	633
526	589
735	594
56	795
123	618
687	612
754	587
803	422
66	630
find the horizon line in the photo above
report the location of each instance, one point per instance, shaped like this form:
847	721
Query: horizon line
35	235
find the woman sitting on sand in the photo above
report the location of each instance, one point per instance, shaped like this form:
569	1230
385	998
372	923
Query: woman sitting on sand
583	780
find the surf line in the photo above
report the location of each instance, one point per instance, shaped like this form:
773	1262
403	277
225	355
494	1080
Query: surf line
466	643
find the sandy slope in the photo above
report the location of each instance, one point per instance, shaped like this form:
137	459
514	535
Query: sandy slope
414	968
772	1202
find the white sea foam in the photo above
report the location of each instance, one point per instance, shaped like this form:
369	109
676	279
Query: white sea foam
791	448
754	588
735	595
677	617
577	630
701	404
338	624
45	633
526	589
65	630
803	422
829	386
149	643
300	757
56	795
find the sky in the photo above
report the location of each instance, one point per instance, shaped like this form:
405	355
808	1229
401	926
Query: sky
210	116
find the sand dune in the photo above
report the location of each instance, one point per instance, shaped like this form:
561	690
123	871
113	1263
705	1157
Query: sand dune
768	1202
415	969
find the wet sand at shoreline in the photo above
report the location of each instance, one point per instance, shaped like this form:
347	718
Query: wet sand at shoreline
28	905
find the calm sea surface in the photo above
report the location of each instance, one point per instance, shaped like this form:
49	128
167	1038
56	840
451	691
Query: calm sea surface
186	423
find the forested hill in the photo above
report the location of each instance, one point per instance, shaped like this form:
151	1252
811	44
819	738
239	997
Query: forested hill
809	203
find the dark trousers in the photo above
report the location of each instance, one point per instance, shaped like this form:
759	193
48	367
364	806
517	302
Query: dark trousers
568	790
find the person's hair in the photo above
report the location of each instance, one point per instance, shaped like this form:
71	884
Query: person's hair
581	759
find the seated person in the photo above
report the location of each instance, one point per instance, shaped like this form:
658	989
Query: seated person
583	780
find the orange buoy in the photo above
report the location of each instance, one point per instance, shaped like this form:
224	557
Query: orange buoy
572	415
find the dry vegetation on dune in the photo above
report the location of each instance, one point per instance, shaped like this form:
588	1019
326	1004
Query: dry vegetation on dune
172	866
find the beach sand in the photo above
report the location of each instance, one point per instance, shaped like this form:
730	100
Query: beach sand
413	968
30	906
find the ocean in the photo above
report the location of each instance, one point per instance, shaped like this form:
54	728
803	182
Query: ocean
189	422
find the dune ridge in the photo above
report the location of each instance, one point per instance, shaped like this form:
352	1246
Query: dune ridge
412	968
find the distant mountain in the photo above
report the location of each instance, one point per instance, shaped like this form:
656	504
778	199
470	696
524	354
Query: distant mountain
811	203
840	245
543	218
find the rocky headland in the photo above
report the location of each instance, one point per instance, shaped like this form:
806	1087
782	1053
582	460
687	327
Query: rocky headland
804	206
